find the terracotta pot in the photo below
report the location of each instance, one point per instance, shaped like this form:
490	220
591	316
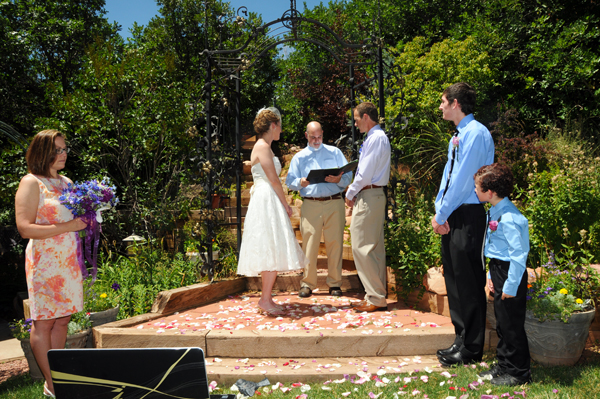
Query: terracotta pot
554	343
217	201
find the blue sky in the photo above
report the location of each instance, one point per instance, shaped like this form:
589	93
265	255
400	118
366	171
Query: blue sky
126	12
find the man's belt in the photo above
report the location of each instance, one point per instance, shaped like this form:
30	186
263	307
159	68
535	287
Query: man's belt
331	197
370	186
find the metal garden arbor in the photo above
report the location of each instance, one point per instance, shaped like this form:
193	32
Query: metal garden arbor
219	149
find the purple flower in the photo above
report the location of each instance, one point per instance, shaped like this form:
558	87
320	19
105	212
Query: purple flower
88	197
115	286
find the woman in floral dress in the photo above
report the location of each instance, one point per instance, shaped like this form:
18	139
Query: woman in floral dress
54	279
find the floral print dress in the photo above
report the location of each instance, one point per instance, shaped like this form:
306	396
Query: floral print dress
54	279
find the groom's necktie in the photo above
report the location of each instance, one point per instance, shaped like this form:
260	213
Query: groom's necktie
451	166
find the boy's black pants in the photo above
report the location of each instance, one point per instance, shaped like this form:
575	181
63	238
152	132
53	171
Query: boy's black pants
512	350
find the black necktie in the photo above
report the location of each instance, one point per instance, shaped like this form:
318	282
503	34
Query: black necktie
451	166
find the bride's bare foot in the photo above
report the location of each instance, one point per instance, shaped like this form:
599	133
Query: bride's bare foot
272	311
270	308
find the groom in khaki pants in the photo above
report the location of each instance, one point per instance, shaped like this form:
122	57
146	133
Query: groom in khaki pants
367	199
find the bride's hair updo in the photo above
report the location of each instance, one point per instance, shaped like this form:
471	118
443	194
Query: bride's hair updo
264	118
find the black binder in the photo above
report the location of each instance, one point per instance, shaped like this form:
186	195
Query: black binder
318	175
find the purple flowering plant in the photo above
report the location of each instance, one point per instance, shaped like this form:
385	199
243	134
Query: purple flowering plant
20	329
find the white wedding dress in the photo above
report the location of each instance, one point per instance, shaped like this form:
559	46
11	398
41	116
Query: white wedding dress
268	242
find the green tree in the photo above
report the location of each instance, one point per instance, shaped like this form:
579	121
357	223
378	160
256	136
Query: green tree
21	95
127	119
57	34
547	52
428	70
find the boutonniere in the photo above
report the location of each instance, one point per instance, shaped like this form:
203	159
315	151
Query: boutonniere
455	144
493	225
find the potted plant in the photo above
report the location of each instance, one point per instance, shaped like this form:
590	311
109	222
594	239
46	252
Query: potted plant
560	309
77	332
100	302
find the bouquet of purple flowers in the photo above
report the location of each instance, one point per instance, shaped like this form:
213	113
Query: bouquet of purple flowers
87	200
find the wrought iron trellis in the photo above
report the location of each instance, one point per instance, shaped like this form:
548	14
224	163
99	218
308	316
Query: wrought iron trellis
219	152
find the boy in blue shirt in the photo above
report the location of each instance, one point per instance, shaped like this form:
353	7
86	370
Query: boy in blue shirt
507	247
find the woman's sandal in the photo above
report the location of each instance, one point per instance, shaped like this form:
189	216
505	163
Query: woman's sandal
47	392
274	311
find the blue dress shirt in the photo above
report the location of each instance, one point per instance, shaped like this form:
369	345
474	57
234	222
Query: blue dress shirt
475	149
373	163
510	242
326	157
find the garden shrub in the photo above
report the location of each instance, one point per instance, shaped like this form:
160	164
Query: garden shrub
142	276
430	69
562	205
411	245
516	149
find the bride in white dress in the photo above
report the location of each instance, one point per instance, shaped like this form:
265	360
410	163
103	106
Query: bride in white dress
269	244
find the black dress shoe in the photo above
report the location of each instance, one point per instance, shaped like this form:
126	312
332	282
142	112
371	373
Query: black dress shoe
335	291
510	381
447	351
492	373
304	292
456	358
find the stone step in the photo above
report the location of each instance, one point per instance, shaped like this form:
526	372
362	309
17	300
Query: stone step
290	282
306	370
245	199
231	211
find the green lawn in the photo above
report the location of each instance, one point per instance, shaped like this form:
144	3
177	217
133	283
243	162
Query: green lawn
582	381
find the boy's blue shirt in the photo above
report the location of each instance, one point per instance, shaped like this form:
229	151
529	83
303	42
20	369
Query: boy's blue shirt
510	242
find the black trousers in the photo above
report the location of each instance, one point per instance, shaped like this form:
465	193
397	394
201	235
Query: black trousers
512	350
464	274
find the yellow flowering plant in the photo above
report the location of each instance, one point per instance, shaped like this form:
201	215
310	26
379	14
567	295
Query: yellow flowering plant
561	289
99	296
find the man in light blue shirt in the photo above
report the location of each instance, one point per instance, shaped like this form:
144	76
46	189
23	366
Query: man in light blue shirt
367	198
322	208
460	219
